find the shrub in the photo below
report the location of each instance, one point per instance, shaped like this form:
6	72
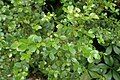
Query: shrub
59	40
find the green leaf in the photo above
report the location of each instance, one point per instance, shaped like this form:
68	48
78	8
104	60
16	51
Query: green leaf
56	74
90	59
116	76
55	45
15	45
1	34
41	2
118	69
17	65
102	66
59	26
108	60
86	51
1	46
63	73
37	27
70	9
25	56
91	34
22	47
95	74
111	60
72	50
118	44
35	38
94	16
75	60
108	76
116	50
65	47
100	39
63	37
32	48
85	76
108	50
95	54
51	56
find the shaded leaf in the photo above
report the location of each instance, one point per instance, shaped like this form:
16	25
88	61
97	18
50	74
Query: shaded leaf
108	60
116	50
108	76
108	50
116	76
118	44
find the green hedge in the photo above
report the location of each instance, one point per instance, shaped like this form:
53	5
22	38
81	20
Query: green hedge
59	40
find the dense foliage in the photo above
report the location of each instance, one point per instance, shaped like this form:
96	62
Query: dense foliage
60	39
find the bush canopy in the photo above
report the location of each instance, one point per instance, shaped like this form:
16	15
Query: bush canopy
60	39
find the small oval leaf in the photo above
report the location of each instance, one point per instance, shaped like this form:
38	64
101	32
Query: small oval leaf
108	50
116	50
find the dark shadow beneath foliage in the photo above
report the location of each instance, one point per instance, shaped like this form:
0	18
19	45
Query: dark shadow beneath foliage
98	46
94	79
111	13
55	28
51	6
35	73
7	2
